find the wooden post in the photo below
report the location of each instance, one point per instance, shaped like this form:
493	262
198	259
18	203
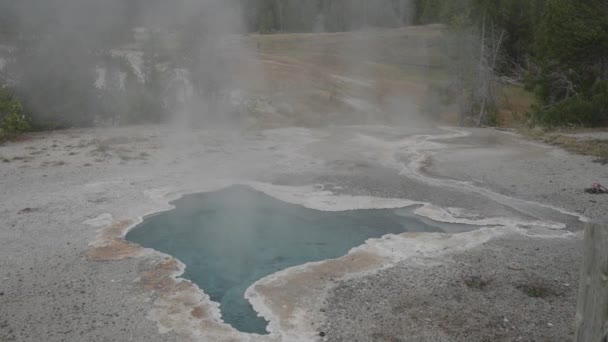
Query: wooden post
592	308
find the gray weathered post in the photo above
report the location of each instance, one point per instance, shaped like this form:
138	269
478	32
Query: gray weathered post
592	308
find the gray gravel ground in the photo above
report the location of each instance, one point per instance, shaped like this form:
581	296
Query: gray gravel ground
52	183
510	289
524	169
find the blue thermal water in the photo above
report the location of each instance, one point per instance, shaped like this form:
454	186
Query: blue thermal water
231	238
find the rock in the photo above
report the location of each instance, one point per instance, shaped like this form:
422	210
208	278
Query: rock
322	334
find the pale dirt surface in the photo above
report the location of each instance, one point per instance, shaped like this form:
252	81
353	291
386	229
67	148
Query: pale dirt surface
59	189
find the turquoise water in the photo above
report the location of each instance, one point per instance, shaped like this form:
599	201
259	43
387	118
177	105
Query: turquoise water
231	238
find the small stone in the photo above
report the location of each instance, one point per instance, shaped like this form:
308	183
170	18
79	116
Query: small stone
550	325
322	334
1	293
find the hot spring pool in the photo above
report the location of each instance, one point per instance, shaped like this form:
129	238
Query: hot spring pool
231	238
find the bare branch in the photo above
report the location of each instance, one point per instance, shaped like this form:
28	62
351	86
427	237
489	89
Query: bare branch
563	82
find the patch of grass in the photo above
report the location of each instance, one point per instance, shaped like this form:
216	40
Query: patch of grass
102	147
532	132
24	159
114	147
589	147
538	288
82	143
54	163
596	148
513	104
126	157
117	140
401	307
477	282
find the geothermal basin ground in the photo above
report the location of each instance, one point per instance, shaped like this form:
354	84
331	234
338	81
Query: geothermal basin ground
70	197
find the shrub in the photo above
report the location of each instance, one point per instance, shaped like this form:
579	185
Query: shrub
587	109
12	116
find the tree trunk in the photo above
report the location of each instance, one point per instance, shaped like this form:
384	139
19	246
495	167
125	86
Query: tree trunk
592	309
280	14
366	14
482	77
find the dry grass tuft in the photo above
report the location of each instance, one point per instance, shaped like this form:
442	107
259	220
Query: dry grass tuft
478	282
589	147
538	288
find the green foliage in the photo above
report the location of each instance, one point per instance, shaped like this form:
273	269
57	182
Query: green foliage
564	44
12	117
453	12
571	48
267	16
587	109
517	17
574	33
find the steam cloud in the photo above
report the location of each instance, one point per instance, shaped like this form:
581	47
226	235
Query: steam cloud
59	49
83	62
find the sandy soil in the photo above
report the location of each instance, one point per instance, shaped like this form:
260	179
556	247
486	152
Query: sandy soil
68	197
